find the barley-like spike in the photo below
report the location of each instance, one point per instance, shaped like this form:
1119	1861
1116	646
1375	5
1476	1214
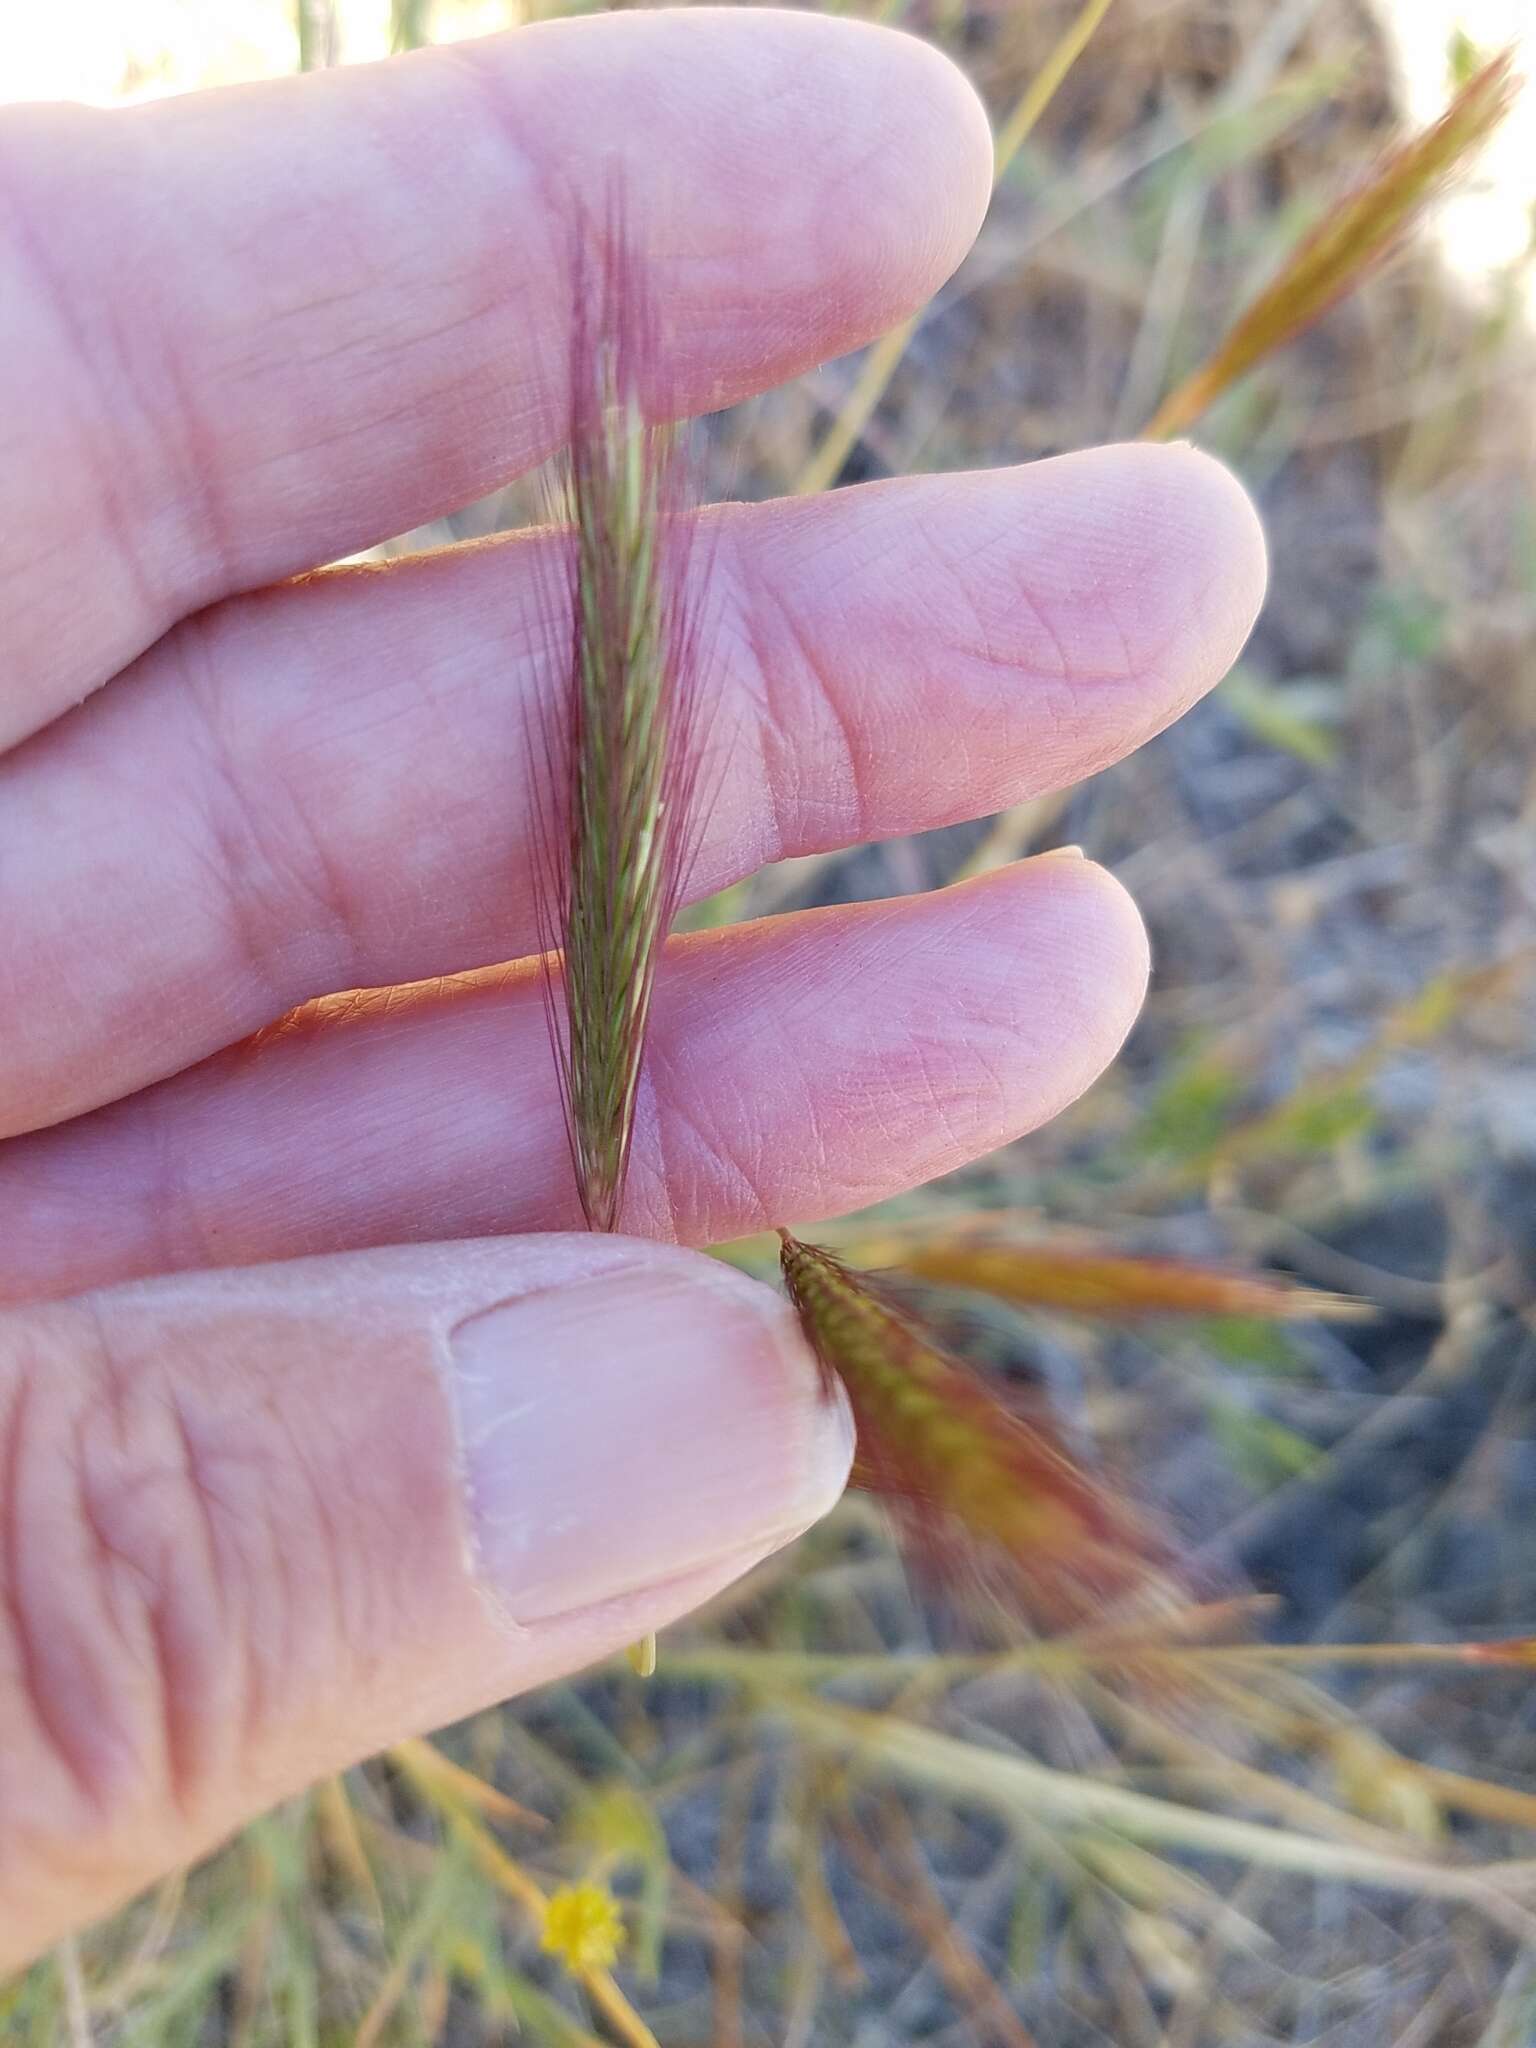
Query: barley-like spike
974	1486
620	747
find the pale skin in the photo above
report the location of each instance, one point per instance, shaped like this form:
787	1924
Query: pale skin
319	1425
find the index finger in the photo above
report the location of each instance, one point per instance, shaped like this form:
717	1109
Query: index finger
253	330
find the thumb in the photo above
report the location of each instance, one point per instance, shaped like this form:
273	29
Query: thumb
255	1525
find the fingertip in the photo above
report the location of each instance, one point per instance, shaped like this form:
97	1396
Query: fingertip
871	1048
891	153
861	156
928	192
628	1427
1223	531
1198	562
1072	963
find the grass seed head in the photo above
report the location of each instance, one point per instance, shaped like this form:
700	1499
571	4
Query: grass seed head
1076	1280
1348	244
619	750
979	1490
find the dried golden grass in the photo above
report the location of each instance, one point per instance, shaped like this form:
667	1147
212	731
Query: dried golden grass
1350	242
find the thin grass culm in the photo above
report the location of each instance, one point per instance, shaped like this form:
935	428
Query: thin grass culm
616	755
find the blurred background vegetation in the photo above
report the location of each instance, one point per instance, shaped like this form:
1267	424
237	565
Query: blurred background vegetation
831	1817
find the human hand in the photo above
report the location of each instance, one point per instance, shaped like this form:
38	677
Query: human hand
257	1523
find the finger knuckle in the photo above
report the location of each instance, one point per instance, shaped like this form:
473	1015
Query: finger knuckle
132	1541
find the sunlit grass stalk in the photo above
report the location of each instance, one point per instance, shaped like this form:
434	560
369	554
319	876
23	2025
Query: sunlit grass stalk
977	1489
410	24
1347	245
1065	1656
318	32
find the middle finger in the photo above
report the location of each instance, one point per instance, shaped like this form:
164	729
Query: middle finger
322	786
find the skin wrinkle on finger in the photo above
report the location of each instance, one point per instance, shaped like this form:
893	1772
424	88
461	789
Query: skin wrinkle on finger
308	380
317	787
87	431
811	763
434	1112
203	1621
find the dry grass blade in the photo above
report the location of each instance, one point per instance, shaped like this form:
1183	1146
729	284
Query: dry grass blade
893	1867
618	748
75	2000
1418	1021
1348	244
979	1490
446	1783
884	359
1036	1794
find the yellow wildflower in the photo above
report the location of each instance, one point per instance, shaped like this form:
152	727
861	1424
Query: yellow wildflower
582	1927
